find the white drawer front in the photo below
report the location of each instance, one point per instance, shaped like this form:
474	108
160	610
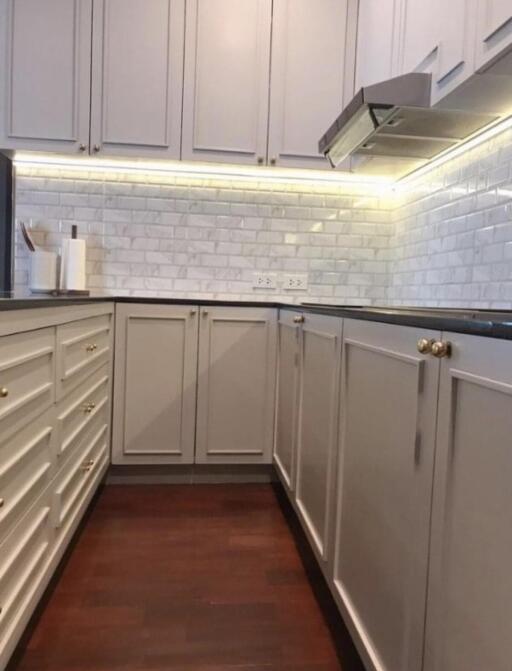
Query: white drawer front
83	347
27	378
24	557
80	408
26	468
80	474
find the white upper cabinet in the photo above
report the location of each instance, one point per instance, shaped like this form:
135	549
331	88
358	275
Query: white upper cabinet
494	31
377	41
137	77
419	37
227	63
307	78
45	59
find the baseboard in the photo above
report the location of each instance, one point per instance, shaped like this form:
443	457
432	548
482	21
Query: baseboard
193	474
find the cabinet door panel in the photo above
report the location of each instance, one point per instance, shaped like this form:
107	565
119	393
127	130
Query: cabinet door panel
377	41
320	359
227	64
308	62
470	596
45	73
456	46
494	32
138	77
420	36
287	397
388	401
236	386
155	384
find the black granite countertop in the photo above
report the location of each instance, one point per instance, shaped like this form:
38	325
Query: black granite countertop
489	323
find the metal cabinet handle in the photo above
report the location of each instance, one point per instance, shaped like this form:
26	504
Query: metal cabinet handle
299	319
205	313
273	161
83	147
261	160
96	148
424	345
192	313
1	503
4	392
92	347
442	349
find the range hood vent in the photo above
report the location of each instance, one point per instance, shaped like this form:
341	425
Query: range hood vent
389	128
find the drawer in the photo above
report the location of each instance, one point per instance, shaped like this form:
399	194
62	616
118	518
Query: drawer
25	554
80	409
80	474
82	347
26	468
27	378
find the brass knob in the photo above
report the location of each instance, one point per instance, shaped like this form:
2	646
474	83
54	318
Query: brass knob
299	319
441	349
94	347
260	160
4	392
96	148
2	503
192	313
89	348
273	161
424	345
205	313
88	408
83	147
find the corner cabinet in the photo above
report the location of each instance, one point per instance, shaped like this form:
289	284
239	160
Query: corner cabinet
137	77
227	61
45	74
155	390
470	586
308	78
236	385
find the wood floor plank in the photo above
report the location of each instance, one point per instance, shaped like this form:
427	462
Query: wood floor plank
188	578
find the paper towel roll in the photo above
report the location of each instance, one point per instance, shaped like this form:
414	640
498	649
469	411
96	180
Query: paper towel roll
72	272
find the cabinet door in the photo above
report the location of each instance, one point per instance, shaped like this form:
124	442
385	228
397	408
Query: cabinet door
227	61
307	77
456	54
289	338
420	36
155	384
470	586
377	41
45	64
494	29
387	437
318	424
236	386
137	77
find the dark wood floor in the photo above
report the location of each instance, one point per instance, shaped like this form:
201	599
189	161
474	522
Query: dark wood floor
188	578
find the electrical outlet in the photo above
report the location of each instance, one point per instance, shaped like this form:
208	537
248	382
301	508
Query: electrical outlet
295	282
264	281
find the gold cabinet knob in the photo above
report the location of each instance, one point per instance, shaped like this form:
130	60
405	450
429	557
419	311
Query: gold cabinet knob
192	313
88	408
299	319
96	148
205	313
260	160
4	392
91	347
424	345
273	161
82	147
441	349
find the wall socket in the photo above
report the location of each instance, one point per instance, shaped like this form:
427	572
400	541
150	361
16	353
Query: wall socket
295	282
264	281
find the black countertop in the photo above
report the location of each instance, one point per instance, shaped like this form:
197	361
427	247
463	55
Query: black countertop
489	323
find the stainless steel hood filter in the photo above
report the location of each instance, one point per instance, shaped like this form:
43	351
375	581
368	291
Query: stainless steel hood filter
389	128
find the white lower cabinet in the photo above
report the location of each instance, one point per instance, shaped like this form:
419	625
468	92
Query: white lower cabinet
53	454
470	586
155	392
387	441
320	358
287	397
236	385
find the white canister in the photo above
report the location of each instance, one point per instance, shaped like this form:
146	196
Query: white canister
43	271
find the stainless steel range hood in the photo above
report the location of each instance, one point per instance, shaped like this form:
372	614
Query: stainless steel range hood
389	128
